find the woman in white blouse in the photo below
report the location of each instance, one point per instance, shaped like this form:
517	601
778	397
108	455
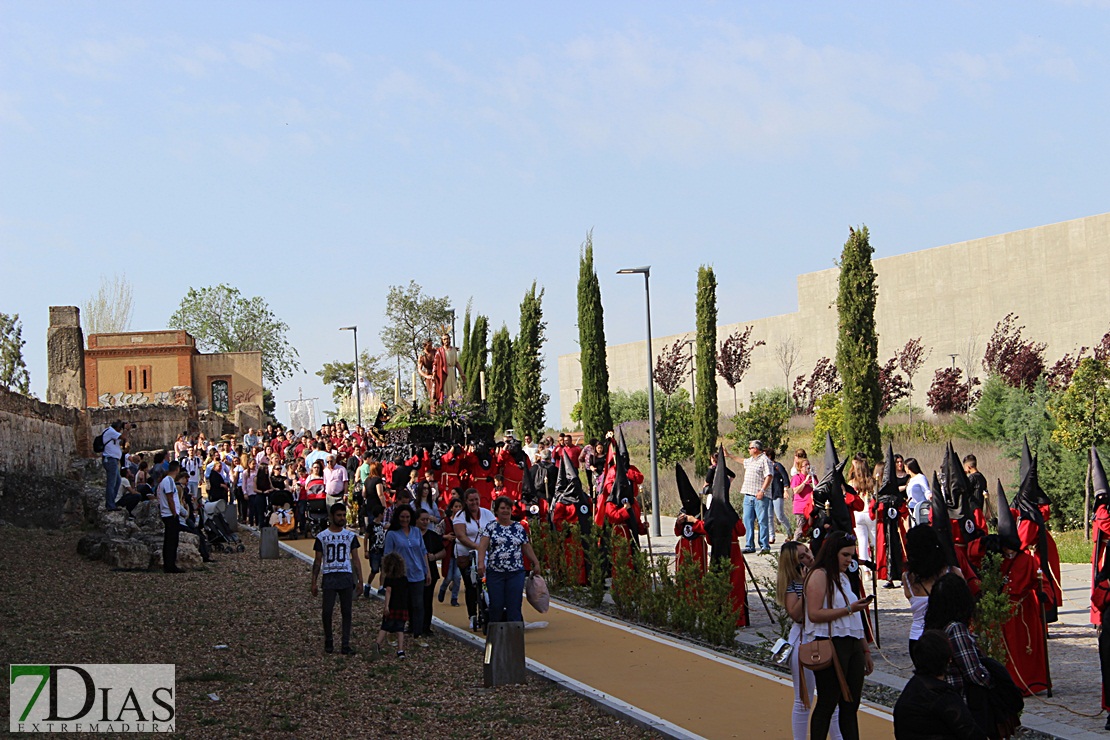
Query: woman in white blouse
831	614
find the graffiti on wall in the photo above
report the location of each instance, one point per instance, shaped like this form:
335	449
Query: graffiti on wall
132	399
246	396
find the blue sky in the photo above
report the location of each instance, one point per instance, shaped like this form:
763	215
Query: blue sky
316	153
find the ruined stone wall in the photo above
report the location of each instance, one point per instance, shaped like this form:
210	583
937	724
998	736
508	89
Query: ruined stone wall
40	438
65	358
156	427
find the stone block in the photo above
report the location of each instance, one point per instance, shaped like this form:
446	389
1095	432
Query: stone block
92	545
127	554
147	516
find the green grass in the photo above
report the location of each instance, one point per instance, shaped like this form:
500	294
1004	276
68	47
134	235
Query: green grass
1073	546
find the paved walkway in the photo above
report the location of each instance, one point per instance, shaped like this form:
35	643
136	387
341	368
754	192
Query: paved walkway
683	691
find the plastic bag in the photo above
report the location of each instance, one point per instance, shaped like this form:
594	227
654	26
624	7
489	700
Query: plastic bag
535	588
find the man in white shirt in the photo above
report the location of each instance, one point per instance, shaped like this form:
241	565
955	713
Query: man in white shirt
169	508
757	497
530	449
110	459
335	554
194	466
335	482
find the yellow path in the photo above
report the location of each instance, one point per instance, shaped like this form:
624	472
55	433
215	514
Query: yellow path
704	693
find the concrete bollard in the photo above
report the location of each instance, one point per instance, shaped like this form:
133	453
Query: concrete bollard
268	547
504	659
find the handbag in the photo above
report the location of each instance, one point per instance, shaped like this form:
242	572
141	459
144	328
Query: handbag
817	655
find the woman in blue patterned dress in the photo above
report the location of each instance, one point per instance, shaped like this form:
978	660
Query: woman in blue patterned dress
501	552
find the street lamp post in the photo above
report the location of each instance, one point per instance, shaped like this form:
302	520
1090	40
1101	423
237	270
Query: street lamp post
358	388
646	272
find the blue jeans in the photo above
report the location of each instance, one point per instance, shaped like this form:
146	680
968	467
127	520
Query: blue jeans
111	482
782	518
453	579
757	510
506	592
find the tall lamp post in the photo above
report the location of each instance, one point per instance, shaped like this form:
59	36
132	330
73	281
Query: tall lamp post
646	272
358	388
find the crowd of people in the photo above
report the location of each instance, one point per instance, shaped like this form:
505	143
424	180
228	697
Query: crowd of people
463	515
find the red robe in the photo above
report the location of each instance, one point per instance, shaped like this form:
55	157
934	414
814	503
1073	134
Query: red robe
879	513
1100	534
1028	534
739	594
691	544
1024	632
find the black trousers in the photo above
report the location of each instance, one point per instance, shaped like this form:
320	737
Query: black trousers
1104	656
469	589
346	597
849	651
169	543
429	593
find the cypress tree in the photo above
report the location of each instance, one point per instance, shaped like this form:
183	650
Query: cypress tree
479	352
500	391
597	418
857	346
529	399
705	408
465	350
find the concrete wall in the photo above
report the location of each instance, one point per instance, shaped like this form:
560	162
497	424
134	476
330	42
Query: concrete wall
1054	277
40	438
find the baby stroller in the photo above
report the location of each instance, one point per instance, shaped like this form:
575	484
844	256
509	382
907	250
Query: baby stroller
220	537
316	515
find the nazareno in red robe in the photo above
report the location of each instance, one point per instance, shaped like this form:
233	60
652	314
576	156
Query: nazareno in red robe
691	544
1027	533
880	513
739	577
1024	632
1100	595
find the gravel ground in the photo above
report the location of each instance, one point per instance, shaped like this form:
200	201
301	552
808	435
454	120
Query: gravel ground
274	678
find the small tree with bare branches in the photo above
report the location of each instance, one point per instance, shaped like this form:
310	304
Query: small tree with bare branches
787	355
734	359
911	358
110	310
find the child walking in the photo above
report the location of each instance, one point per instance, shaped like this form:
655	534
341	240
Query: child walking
451	575
375	544
396	604
335	556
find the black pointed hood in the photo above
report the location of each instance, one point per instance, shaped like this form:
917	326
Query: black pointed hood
1030	489
888	486
621	488
831	458
1007	527
720	518
622	448
958	493
829	493
942	523
1099	486
568	487
1026	458
691	501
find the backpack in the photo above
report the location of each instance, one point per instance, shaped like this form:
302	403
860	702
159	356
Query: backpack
98	443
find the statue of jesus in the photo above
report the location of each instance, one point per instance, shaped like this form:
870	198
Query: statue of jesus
446	362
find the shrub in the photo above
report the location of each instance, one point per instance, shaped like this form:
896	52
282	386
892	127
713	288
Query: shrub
828	417
992	610
766	419
1018	361
628	406
950	393
675	428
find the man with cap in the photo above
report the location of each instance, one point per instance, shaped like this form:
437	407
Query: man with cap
756	488
1024	632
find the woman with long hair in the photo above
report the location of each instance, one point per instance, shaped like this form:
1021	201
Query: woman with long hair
859	478
925	563
917	491
469	524
794	562
407	541
830	615
423	500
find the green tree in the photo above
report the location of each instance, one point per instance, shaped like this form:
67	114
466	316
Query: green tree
628	406
500	394
221	319
341	376
705	408
597	416
13	371
412	318
529	399
828	416
474	353
765	419
675	427
857	346
1082	412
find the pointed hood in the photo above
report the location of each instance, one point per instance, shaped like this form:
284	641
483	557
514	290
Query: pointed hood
621	488
1026	458
888	486
1007	527
528	492
831	458
942	523
1030	489
622	448
568	487
829	493
720	518
691	501
1099	486
958	493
